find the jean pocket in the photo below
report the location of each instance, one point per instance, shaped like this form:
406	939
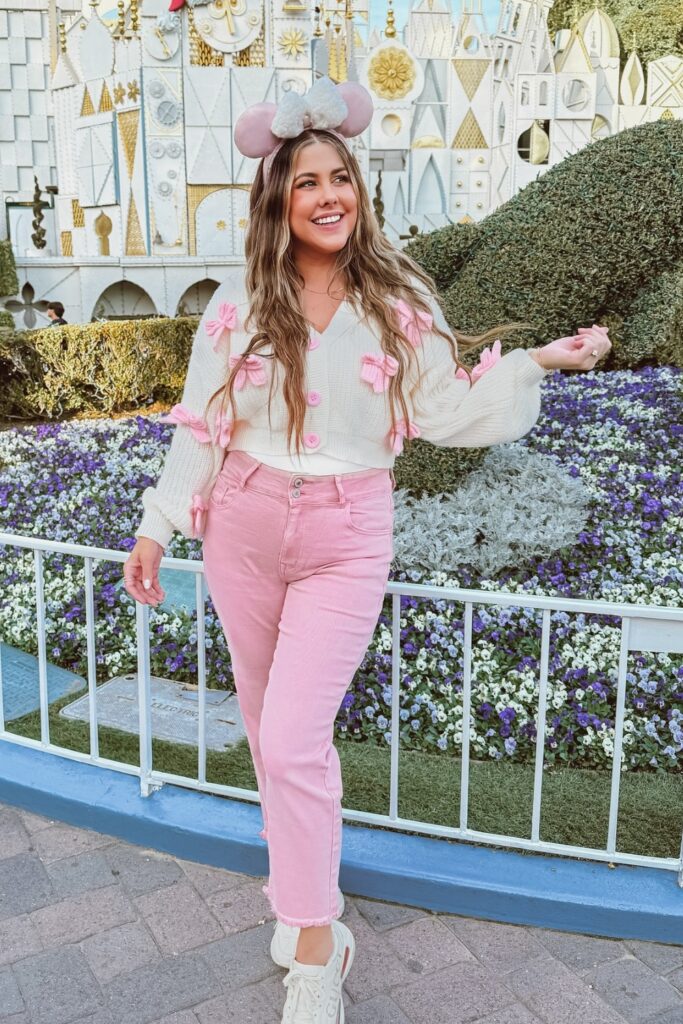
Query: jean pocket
225	490
372	515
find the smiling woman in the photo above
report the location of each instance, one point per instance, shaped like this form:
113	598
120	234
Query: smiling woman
322	215
297	550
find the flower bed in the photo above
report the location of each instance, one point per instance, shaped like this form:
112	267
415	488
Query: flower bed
620	434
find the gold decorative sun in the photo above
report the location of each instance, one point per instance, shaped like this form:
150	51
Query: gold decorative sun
391	73
292	42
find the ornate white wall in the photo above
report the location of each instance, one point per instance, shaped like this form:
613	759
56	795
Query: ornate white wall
132	120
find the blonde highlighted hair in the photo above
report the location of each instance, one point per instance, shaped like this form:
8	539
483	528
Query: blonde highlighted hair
376	274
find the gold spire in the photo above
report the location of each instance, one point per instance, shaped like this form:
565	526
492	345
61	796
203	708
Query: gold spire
134	17
349	10
62	37
121	22
318	32
390	30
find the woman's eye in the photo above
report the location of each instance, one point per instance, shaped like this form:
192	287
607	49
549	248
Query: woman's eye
340	177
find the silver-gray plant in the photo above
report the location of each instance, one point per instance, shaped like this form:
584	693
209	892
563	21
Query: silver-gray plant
516	506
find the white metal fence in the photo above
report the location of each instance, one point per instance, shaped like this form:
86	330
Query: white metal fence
643	628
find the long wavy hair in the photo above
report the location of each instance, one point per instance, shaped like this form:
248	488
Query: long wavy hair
375	272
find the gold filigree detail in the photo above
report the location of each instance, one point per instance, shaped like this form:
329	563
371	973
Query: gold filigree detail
469	134
391	73
86	106
253	56
135	243
292	42
119	94
67	243
133	91
103	226
221	225
77	214
105	101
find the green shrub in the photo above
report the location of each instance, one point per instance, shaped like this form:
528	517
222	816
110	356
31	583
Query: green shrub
96	367
6	320
653	330
575	247
9	282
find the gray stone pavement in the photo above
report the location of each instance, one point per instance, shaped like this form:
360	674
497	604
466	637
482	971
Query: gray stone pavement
98	931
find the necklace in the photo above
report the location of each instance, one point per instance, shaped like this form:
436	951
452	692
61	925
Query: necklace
315	292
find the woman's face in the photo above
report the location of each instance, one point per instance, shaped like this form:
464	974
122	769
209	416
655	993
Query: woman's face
321	189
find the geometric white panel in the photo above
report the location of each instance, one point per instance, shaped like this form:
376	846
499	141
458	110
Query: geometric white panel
209	134
96	165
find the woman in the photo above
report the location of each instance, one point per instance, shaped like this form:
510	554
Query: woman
333	337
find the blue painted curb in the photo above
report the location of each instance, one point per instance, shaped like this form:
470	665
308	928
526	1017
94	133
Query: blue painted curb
449	877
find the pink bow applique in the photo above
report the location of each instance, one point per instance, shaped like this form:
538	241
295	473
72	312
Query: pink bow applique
401	431
377	369
412	322
487	359
251	371
227	321
179	414
223	431
198	513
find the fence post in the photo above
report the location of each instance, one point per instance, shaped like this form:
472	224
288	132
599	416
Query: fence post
147	787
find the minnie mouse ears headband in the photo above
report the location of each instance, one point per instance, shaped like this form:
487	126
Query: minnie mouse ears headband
262	129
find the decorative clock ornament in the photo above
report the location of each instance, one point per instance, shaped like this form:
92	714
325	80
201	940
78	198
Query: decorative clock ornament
162	37
229	25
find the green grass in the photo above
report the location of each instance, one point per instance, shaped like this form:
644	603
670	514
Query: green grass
575	804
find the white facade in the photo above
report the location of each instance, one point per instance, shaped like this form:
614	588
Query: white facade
130	121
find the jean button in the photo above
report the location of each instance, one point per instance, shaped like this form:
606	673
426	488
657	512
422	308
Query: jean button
298	482
296	494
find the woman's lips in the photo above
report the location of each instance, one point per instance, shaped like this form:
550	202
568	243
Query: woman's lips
331	226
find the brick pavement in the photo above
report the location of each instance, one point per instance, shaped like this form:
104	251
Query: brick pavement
94	930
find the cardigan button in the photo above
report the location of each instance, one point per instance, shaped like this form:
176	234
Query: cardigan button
311	440
314	398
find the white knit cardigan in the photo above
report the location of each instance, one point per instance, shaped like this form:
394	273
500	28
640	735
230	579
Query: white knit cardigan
348	415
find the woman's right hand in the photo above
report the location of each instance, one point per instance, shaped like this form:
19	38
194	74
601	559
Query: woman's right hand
142	567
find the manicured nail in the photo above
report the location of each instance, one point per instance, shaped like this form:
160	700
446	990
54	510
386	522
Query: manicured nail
147	584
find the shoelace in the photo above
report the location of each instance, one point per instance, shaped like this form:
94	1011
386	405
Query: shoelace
306	995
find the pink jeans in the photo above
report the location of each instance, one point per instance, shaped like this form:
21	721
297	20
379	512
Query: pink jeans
297	567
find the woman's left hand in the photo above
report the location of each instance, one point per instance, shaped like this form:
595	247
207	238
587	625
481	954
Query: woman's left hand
576	351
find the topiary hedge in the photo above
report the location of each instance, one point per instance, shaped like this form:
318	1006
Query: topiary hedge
653	328
580	245
9	282
95	367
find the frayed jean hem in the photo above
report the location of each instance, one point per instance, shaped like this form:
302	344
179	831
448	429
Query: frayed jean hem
301	922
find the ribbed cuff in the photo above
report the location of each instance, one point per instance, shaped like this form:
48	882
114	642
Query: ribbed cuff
156	526
531	372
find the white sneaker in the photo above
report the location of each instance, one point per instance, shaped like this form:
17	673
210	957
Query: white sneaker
286	936
314	993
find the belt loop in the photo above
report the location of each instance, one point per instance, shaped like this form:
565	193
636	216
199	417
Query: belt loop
245	476
340	489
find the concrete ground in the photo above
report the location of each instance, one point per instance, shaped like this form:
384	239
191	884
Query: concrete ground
97	931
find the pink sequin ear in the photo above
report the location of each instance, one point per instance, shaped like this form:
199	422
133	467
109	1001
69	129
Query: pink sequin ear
360	106
252	133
